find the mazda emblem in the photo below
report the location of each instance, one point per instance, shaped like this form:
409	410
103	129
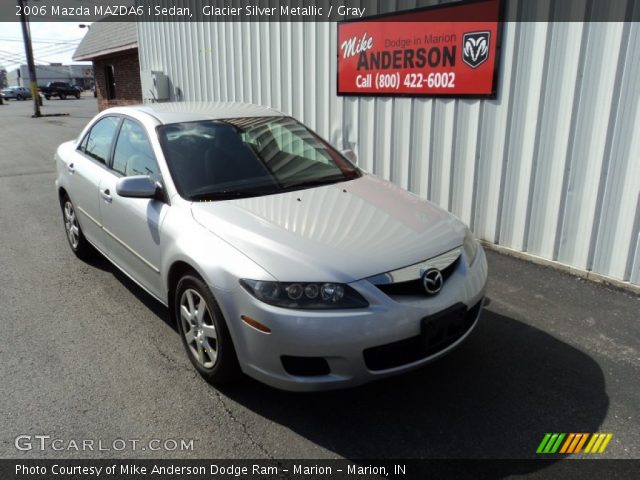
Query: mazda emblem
432	281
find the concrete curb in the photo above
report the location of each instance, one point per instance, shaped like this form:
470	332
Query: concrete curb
592	276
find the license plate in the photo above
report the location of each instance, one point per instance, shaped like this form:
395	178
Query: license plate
443	327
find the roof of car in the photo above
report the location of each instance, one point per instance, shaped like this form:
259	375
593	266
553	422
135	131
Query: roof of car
177	112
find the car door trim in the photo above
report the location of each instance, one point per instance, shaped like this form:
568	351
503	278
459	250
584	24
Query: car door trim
131	250
84	212
112	235
133	279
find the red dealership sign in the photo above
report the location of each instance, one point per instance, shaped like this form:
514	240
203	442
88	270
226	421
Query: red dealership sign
437	51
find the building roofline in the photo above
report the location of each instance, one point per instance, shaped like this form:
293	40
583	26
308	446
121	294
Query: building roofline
102	53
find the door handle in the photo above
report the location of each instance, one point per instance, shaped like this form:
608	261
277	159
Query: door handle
106	195
70	169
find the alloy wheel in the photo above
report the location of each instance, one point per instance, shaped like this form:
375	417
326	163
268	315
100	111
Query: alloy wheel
71	225
198	328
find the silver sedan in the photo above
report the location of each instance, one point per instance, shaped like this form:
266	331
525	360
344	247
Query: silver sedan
17	93
275	254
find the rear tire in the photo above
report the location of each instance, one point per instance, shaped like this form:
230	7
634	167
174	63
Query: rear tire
18	97
204	332
48	97
77	241
78	96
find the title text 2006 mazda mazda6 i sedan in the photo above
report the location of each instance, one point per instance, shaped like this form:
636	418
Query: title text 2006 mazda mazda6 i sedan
276	255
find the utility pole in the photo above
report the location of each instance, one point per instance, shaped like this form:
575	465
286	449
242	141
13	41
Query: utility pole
26	34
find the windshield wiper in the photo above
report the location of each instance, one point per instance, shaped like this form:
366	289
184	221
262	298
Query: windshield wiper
232	194
317	182
229	194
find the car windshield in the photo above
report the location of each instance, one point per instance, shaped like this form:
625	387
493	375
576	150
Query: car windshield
245	157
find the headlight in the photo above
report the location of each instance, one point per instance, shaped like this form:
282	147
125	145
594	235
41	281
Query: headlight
470	247
305	295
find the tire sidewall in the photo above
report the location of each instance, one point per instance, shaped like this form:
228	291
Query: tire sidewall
63	204
225	368
84	250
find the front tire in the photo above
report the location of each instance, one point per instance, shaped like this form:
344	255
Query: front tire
204	332
77	241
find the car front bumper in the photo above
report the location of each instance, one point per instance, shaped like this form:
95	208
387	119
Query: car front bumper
342	337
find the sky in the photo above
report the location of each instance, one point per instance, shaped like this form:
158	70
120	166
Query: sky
52	42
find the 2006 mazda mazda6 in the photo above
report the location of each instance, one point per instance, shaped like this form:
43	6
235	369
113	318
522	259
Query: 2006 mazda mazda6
275	254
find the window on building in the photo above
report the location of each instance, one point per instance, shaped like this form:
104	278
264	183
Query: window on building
110	81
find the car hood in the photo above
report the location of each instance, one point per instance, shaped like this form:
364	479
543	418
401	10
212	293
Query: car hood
341	232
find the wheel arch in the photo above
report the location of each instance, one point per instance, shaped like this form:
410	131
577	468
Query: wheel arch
177	270
62	193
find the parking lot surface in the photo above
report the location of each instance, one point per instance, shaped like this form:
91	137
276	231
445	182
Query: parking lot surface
84	353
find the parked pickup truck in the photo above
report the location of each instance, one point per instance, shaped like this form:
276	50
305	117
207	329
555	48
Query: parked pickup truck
59	89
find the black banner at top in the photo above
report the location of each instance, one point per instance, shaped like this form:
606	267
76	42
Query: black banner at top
302	10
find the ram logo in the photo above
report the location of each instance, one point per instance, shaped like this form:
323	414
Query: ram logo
475	48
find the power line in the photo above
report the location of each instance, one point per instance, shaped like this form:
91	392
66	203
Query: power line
48	53
14	57
54	42
20	57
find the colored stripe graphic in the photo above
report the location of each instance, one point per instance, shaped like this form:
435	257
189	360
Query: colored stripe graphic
600	443
543	442
605	442
578	437
592	441
555	447
567	444
550	443
581	443
553	443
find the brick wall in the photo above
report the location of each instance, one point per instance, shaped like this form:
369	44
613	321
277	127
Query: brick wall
126	69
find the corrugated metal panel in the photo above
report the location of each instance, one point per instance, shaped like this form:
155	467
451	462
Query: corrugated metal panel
551	167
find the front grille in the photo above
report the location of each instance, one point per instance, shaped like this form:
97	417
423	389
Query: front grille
305	366
439	331
415	287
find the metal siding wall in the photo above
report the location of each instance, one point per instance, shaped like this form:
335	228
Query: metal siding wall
551	167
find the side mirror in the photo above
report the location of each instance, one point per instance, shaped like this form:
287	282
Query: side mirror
350	155
138	186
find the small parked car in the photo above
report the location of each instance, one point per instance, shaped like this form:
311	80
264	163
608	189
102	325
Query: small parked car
16	93
275	254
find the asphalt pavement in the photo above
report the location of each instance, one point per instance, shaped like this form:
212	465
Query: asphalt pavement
84	353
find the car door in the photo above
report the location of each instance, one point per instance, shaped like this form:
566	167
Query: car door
132	225
85	169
